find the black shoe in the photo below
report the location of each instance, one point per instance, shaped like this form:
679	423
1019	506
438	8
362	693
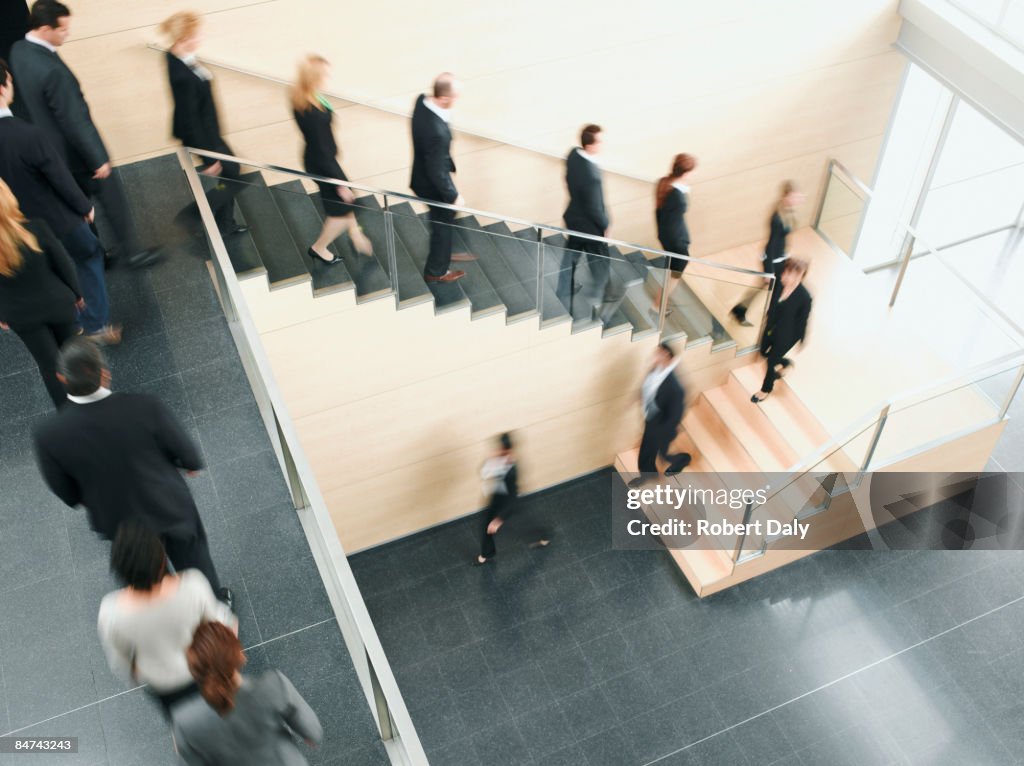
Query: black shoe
227	596
679	464
639	481
313	254
235	228
143	258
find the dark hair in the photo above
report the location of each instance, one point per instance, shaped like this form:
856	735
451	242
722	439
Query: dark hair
588	135
5	72
795	264
137	556
668	350
444	84
81	363
681	165
213	659
47	13
505	440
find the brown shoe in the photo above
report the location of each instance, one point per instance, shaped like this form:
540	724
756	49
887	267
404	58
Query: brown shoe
463	257
449	276
108	336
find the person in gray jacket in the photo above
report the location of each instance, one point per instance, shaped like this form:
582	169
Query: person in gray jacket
239	720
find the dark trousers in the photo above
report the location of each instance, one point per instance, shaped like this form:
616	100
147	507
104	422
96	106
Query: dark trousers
192	551
43	341
656	441
596	291
87	253
440	256
776	356
497	507
112	204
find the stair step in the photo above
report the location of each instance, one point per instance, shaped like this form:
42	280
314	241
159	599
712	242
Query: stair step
553	311
304	222
245	258
519	303
638	317
411	287
582	312
284	261
688	317
627	269
751	427
717	443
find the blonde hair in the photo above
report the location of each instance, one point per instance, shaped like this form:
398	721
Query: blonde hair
785	212
306	87
13	234
179	26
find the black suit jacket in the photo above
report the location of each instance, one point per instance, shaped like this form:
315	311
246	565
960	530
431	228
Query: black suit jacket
121	458
671	403
672	230
50	96
586	212
787	321
432	163
195	120
321	153
39	178
44	288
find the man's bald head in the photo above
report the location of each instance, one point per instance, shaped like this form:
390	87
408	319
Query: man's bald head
446	90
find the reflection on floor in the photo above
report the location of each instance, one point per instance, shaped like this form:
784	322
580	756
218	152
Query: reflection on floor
53	570
578	654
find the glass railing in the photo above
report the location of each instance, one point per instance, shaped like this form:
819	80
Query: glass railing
912	423
519	268
841	210
376	679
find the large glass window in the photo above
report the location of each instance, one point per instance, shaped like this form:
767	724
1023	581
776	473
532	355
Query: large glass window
1004	17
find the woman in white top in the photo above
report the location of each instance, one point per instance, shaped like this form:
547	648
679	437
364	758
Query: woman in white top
147	626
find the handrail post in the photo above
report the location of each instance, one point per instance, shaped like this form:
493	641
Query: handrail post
1012	393
875	438
389	240
540	276
741	539
824	193
663	308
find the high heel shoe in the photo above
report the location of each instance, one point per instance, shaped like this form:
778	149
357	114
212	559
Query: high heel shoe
313	254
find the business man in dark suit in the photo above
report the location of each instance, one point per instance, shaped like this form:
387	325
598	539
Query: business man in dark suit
51	98
121	456
13	24
45	190
586	213
432	168
664	403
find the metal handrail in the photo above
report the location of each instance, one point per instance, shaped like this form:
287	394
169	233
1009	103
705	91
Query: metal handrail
315	504
480	213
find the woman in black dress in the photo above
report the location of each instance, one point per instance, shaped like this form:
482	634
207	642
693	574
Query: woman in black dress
39	291
782	222
671	200
786	325
314	115
195	120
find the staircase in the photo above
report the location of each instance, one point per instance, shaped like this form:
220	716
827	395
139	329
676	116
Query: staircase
736	444
285	218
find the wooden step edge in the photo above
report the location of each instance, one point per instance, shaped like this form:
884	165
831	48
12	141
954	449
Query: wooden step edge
715	441
703	568
784	403
752	427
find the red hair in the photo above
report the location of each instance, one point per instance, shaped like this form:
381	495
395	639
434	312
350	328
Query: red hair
681	165
213	659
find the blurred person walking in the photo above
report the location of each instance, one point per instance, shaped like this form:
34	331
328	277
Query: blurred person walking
782	222
239	720
786	325
45	191
39	292
146	626
501	473
671	199
314	116
51	98
121	456
195	121
664	404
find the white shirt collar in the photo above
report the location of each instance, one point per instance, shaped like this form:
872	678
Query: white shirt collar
98	395
588	156
39	41
444	114
684	188
5	112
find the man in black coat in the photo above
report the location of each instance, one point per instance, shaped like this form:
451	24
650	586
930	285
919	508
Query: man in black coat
45	190
664	402
586	213
51	98
121	456
432	168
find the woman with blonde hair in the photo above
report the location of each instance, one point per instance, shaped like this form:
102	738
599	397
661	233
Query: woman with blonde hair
314	116
239	720
39	291
782	222
195	121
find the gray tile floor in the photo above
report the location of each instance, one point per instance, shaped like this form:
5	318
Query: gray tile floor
53	570
580	654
